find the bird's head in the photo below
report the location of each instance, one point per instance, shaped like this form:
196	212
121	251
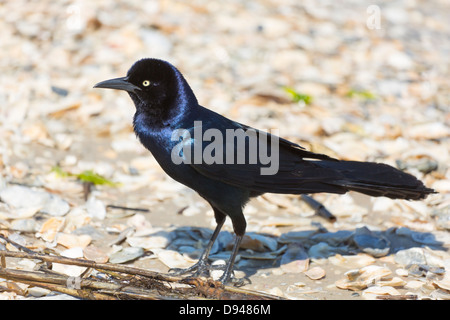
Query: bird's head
150	83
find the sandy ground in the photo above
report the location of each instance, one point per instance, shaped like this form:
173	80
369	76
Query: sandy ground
367	89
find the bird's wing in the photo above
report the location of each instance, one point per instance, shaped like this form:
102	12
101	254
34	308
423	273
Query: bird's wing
280	166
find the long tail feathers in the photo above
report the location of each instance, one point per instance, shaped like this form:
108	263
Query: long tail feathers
376	179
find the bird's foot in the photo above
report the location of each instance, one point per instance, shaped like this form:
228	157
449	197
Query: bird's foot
204	269
222	273
201	268
233	281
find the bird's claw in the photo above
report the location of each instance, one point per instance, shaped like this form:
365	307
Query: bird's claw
228	277
236	282
201	268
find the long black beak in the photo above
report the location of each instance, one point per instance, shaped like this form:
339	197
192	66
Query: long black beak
119	84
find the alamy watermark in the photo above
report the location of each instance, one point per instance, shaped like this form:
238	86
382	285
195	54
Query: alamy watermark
73	283
374	19
74	21
229	146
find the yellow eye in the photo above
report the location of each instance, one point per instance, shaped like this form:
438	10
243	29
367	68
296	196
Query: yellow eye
146	83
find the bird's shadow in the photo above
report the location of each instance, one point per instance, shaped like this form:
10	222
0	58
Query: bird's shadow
319	243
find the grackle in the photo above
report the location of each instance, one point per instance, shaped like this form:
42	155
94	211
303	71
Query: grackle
224	161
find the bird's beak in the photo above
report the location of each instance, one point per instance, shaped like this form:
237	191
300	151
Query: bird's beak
119	84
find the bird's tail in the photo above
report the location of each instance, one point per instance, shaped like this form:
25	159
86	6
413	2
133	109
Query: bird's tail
376	179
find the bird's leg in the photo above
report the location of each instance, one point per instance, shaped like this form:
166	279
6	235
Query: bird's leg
229	266
202	265
239	226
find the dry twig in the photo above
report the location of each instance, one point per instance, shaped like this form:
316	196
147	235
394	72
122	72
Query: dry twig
128	282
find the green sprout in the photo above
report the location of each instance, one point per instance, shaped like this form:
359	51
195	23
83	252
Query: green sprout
361	94
297	97
88	176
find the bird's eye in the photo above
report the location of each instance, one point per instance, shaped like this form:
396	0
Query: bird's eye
146	83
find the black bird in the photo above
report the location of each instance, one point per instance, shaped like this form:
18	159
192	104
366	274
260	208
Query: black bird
171	124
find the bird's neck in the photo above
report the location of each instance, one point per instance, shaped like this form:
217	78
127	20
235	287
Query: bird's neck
158	119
